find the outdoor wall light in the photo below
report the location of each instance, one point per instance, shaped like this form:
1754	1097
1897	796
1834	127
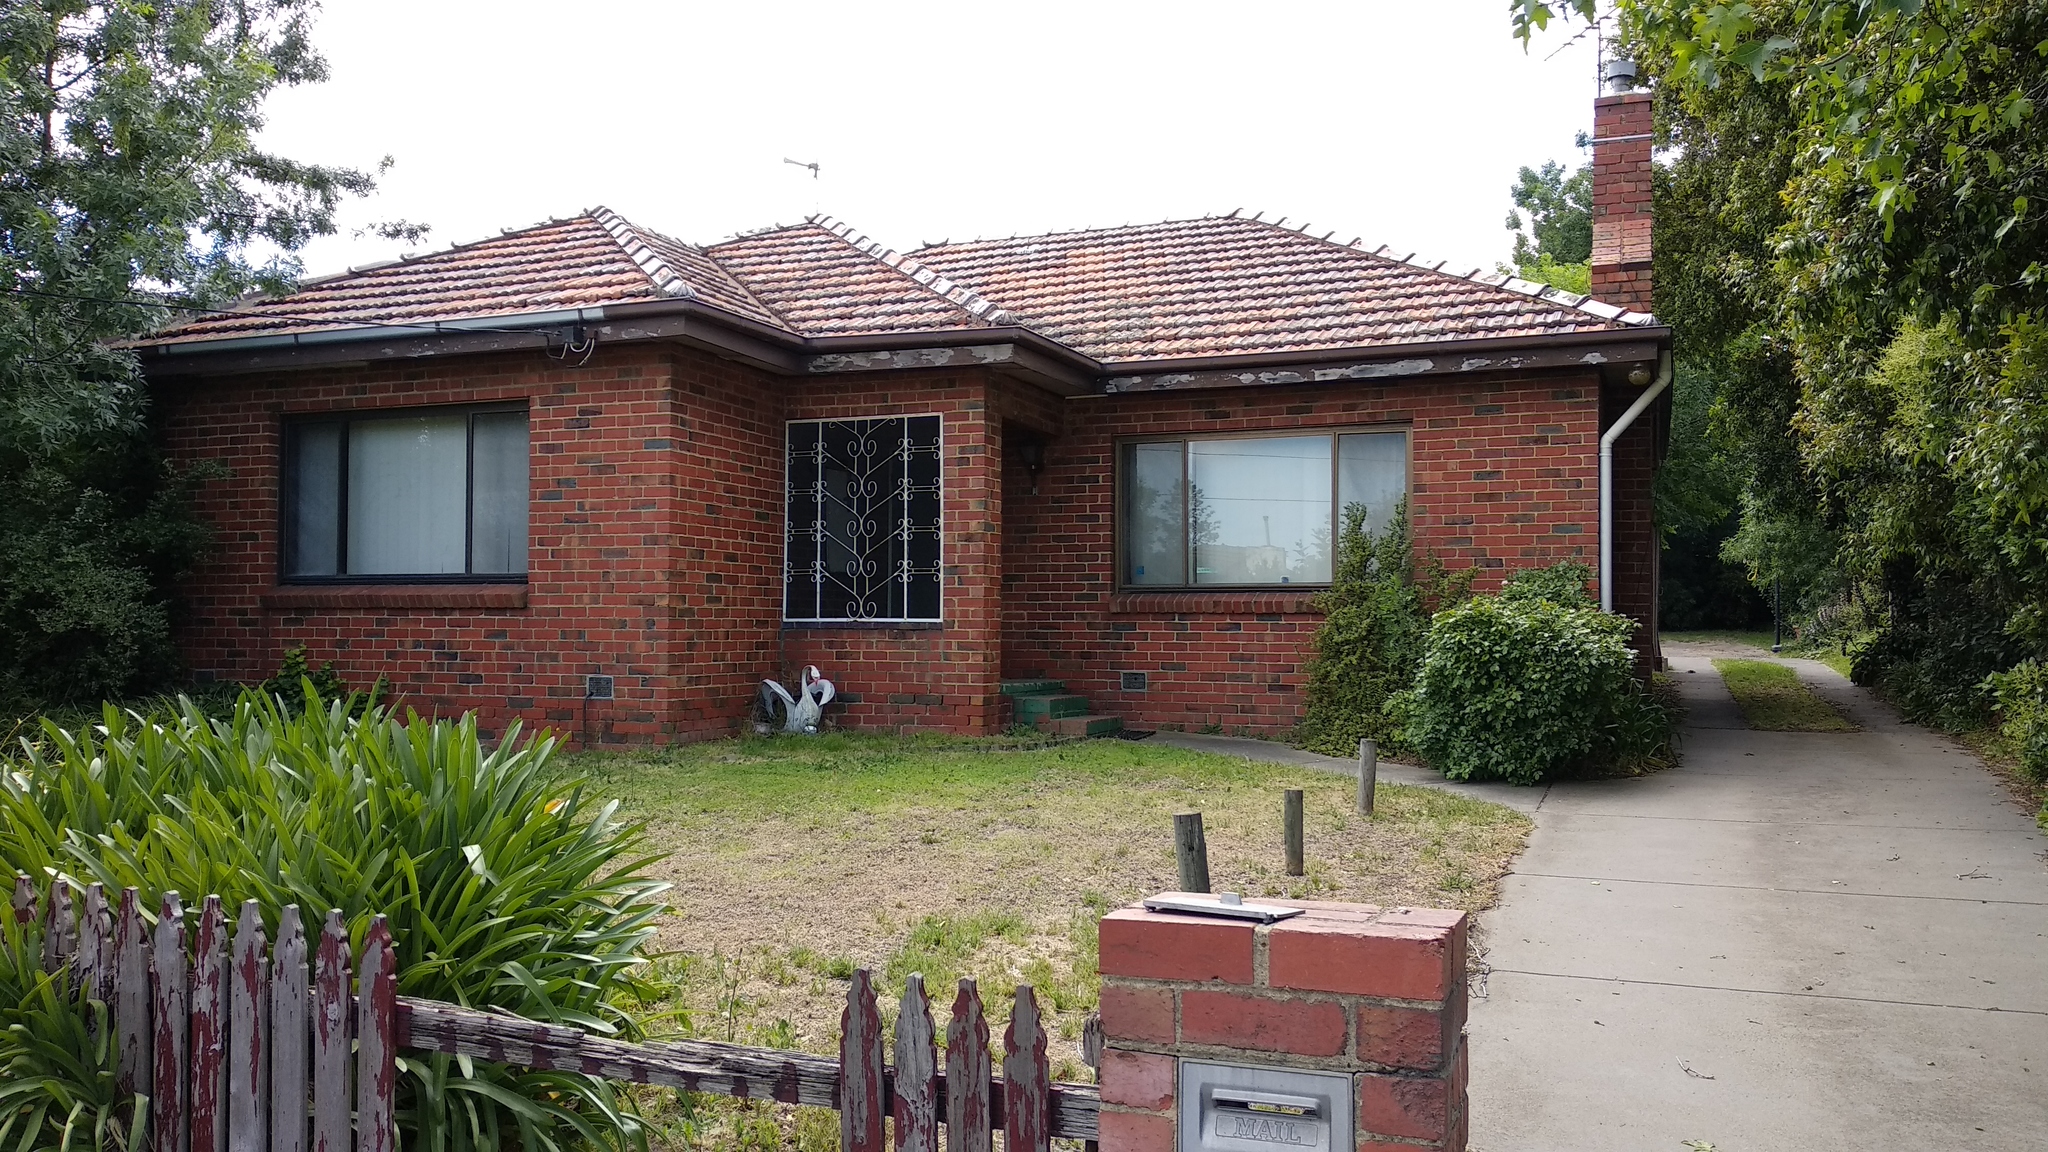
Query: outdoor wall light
1032	453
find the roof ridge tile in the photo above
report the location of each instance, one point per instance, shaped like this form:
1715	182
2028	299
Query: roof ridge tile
975	304
626	235
1583	302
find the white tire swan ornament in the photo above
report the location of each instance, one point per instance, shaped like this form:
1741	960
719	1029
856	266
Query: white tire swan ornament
803	711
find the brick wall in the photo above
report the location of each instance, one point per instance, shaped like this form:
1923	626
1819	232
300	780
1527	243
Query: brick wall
655	551
1348	988
606	515
1503	474
944	677
657	540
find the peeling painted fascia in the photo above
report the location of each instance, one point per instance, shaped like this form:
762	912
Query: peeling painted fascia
1377	370
912	358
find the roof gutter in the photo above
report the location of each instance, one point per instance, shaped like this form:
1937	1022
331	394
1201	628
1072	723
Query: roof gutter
522	321
1607	440
1653	332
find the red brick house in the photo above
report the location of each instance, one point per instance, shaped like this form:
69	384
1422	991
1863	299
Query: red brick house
603	480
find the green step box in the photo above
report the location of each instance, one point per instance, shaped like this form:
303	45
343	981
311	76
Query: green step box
1031	709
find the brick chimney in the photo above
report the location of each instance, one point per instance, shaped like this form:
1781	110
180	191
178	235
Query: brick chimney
1621	192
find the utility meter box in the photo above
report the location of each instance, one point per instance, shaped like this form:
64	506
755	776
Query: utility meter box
1255	1108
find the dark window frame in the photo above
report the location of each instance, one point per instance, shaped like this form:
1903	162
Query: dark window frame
288	460
1120	484
939	524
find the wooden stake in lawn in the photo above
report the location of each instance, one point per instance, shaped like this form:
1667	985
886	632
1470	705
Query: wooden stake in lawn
1368	774
1290	818
1193	850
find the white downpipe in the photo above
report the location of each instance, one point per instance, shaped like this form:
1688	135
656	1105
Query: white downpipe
1607	440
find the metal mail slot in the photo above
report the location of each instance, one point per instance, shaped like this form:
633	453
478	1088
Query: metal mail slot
1252	1108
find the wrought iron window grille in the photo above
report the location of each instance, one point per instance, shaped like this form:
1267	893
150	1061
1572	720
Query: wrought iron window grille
861	540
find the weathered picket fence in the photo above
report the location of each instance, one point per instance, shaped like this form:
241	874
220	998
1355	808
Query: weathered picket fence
242	1049
237	1045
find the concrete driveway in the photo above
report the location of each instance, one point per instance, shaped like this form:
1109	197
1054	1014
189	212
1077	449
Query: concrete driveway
1795	941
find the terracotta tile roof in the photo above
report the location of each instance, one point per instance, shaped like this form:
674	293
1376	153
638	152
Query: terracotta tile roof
824	280
1182	289
561	264
1226	285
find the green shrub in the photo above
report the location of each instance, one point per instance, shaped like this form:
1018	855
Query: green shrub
296	673
1522	689
2022	695
1562	584
504	886
57	1057
1375	618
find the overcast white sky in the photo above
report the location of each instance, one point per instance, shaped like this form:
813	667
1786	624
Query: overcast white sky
1402	121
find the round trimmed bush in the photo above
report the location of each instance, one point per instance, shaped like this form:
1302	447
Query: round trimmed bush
1519	689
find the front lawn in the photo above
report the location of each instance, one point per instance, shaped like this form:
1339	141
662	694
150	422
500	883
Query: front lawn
798	859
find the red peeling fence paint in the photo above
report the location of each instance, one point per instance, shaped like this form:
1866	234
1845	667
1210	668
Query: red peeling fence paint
241	1048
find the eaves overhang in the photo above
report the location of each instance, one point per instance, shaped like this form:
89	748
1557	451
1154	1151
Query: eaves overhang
1017	350
1012	349
1601	349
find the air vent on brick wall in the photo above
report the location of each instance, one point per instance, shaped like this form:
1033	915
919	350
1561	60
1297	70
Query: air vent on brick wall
597	687
1135	681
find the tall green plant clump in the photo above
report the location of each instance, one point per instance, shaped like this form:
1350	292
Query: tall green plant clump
504	885
1375	618
58	1059
1530	683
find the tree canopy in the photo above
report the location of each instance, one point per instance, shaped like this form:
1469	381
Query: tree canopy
1554	214
1849	239
1553	226
130	184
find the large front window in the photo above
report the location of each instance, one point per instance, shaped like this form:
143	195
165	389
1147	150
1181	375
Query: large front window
1251	510
436	495
862	530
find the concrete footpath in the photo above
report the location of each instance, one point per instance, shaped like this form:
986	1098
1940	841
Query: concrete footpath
1793	941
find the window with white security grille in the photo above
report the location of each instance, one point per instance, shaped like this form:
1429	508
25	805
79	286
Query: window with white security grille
861	538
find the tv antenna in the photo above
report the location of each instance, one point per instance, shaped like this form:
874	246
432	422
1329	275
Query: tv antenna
813	165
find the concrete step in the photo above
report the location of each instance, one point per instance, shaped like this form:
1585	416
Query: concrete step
1031	709
1033	687
1082	725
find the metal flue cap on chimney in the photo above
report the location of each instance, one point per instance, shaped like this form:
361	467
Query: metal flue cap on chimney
1620	75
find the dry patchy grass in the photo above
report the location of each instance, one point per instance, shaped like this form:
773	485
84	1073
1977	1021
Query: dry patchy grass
797	860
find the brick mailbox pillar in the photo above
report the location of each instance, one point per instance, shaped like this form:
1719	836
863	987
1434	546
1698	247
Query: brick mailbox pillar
1375	994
